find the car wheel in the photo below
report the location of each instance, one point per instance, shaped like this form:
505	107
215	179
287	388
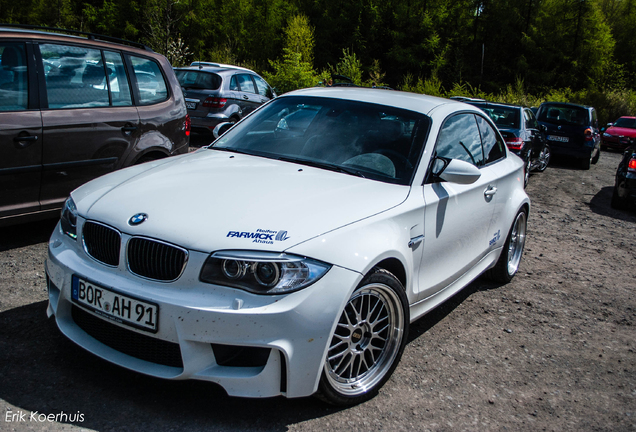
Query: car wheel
585	163
368	341
544	158
510	257
526	168
596	157
617	202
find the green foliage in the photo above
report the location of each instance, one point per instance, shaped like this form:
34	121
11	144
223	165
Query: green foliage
291	73
349	66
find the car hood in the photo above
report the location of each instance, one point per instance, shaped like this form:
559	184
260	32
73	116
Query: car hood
213	200
619	131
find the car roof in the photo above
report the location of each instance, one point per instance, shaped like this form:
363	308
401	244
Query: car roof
495	104
399	99
566	104
214	69
36	32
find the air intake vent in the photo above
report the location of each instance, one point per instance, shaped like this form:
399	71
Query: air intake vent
102	243
155	260
128	342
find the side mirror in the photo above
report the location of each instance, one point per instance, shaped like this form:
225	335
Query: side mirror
455	171
221	128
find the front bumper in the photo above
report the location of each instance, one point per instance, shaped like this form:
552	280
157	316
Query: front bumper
196	319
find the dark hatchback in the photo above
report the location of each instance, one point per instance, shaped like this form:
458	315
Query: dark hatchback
625	186
522	133
572	130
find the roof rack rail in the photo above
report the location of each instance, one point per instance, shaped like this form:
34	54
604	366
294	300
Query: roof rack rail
90	36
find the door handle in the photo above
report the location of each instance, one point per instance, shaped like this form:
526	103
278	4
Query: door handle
25	141
245	97
490	192
128	129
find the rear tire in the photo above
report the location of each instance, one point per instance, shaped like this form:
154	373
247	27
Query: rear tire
368	341
544	158
596	157
508	262
585	163
617	202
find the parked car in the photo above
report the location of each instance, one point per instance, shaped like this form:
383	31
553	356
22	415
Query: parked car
572	130
624	194
522	133
619	134
221	93
73	109
301	258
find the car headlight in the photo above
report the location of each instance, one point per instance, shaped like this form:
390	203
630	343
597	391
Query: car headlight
605	134
68	220
262	272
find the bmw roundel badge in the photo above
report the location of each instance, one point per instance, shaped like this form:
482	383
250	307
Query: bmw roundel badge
137	219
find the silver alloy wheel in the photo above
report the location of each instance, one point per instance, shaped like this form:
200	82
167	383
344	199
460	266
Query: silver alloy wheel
366	341
544	158
517	242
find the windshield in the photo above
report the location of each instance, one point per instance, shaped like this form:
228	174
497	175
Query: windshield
368	140
198	80
561	114
626	122
504	117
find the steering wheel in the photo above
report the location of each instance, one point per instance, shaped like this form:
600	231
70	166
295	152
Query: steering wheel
397	158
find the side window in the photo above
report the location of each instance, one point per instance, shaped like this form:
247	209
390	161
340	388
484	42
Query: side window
234	84
493	146
118	82
75	76
459	139
14	90
263	88
531	120
150	82
245	81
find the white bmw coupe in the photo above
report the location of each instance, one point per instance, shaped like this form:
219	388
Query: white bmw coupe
289	257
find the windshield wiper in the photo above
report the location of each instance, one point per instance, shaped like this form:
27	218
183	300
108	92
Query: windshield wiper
323	165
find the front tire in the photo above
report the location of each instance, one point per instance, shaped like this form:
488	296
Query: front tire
368	341
508	262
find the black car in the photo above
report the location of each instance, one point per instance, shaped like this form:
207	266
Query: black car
625	187
572	130
522	133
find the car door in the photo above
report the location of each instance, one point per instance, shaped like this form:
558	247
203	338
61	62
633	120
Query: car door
87	127
458	217
20	131
536	135
250	99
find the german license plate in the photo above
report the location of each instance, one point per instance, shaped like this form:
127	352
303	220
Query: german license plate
558	138
191	105
114	306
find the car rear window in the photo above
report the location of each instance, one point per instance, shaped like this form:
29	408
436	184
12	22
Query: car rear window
562	114
502	116
198	80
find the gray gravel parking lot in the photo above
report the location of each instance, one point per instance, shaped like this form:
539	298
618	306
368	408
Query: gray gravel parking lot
555	349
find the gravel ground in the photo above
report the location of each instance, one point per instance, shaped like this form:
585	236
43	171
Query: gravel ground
552	350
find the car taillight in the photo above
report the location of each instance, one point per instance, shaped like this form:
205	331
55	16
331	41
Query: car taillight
514	143
631	166
588	135
213	102
187	125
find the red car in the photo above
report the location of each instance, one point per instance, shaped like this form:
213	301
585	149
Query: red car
619	134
